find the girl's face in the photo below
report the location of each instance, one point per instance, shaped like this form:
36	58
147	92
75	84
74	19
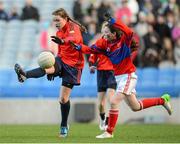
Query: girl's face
107	33
59	21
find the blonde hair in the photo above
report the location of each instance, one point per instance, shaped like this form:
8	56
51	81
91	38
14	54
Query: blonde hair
62	13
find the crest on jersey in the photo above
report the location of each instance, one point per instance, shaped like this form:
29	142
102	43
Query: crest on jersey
108	49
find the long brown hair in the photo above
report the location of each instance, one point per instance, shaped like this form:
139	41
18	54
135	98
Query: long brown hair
134	42
61	12
112	29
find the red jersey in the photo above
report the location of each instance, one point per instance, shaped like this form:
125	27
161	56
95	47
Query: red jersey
119	51
103	62
70	56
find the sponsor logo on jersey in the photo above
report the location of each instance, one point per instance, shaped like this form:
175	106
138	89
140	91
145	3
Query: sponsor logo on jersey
108	49
71	31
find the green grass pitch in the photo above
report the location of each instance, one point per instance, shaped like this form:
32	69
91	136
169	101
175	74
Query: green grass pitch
85	133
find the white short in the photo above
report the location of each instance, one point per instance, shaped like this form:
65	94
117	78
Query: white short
126	83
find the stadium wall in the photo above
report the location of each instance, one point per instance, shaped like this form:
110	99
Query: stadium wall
47	111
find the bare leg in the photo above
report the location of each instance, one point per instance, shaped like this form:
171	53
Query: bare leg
50	70
102	104
102	101
102	98
132	102
110	94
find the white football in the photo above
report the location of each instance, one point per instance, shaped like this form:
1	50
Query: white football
46	60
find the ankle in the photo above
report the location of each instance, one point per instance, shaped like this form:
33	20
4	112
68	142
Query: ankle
109	131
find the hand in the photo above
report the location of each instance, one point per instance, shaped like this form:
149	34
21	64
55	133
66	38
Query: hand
92	69
50	77
57	40
76	46
107	16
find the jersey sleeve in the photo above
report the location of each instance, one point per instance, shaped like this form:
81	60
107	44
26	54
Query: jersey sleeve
92	59
120	25
97	48
134	55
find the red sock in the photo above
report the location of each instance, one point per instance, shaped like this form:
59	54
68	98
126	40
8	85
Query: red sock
113	116
149	102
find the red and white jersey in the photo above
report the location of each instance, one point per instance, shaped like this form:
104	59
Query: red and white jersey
119	51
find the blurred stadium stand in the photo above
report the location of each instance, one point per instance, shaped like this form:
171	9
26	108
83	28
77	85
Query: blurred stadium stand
19	42
152	83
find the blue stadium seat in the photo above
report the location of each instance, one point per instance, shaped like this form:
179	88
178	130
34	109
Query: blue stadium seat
12	38
49	88
149	77
177	76
166	77
148	82
32	82
14	24
88	85
177	81
30	24
85	75
3	24
139	75
5	77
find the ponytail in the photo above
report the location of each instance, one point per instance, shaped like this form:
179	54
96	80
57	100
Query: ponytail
82	28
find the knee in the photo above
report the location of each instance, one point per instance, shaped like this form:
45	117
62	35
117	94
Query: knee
101	108
101	103
63	100
50	70
113	101
114	104
135	109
